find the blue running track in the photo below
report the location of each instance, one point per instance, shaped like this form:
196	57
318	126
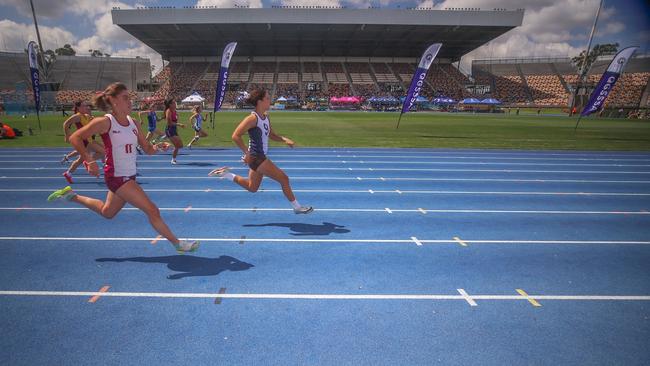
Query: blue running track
411	257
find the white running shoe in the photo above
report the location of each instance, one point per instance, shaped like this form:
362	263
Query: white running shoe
219	172
185	246
303	210
173	161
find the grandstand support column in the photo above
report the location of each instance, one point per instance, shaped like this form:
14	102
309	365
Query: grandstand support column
274	88
348	78
325	88
100	74
374	78
526	87
562	81
396	76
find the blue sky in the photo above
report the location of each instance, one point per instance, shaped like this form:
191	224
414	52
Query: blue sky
551	27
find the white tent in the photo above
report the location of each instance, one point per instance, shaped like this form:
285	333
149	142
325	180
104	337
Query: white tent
194	98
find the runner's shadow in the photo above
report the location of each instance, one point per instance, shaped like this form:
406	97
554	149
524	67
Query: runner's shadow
301	229
188	265
197	164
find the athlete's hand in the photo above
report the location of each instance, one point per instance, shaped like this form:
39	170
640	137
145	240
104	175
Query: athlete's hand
92	168
164	146
247	159
289	142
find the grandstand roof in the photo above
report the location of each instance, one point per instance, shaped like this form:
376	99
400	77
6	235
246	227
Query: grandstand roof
193	31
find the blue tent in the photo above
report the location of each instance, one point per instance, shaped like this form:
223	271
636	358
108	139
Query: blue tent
490	101
470	101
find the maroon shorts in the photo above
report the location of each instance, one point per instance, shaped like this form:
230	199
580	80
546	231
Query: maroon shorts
114	183
256	161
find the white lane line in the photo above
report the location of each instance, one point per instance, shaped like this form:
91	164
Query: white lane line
193	295
467	298
237	190
459	241
382	162
379	154
416	241
398	191
510	171
415	179
530	299
362	241
388	210
420	210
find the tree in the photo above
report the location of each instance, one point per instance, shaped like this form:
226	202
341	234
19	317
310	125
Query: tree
598	50
66	50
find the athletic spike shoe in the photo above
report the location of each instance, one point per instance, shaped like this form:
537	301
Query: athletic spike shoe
185	246
66	193
68	177
303	210
219	172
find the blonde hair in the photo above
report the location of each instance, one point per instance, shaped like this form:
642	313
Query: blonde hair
101	99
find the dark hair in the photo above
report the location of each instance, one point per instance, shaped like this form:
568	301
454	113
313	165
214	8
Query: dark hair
77	104
101	99
255	96
168	103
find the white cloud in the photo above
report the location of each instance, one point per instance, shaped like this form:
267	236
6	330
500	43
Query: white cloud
230	3
549	27
15	36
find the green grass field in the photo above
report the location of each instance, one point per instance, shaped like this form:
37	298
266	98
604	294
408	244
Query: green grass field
430	130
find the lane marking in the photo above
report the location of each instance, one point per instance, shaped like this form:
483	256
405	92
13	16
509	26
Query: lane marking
187	209
457	239
398	191
420	210
388	210
94	299
191	295
382	162
528	297
514	193
467	298
509	171
304	240
416	241
371	191
153	242
415	179
217	300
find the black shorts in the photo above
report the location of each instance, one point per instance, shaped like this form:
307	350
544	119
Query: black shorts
170	131
256	161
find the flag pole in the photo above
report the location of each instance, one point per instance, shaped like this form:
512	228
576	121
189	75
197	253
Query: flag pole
576	127
583	69
399	119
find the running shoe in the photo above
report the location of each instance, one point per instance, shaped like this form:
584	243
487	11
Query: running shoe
185	246
219	172
65	159
303	210
68	177
66	193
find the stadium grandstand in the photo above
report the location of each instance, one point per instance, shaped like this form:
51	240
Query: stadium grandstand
312	52
316	52
71	78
